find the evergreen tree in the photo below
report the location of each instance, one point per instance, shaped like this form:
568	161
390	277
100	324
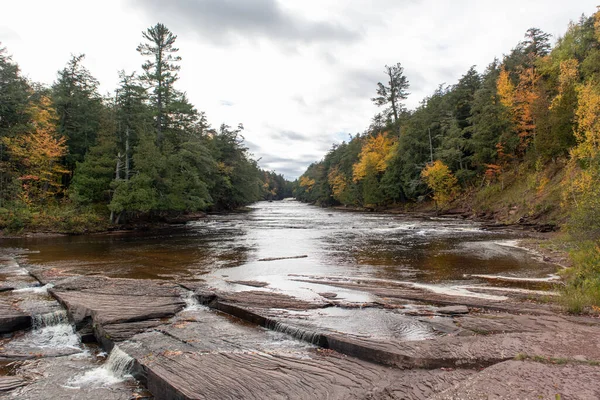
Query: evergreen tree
14	99
78	105
160	73
391	94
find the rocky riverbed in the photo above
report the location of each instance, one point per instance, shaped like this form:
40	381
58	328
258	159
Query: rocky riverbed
186	340
290	301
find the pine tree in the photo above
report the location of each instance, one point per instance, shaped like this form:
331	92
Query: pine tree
78	105
160	73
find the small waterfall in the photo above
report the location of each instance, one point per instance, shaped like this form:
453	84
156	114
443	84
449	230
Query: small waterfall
117	368
192	303
40	321
311	337
53	330
119	363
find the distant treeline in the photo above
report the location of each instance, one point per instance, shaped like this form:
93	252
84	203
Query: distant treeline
537	107
146	151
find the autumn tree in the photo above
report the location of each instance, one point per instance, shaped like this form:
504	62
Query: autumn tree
373	161
558	137
441	181
583	176
37	153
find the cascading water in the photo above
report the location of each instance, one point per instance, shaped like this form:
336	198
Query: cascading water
191	302
53	330
119	363
117	368
297	332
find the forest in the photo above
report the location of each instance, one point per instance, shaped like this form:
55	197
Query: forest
72	160
519	142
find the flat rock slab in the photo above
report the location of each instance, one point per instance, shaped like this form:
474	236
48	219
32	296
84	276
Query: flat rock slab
528	380
453	310
52	378
260	298
113	308
546	336
250	283
390	293
262	376
119	286
8	383
12	320
205	355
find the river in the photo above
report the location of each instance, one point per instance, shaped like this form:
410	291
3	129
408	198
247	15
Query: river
221	249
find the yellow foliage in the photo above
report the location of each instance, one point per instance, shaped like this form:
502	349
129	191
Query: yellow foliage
338	182
506	90
37	153
307	183
569	75
441	181
587	129
375	154
582	182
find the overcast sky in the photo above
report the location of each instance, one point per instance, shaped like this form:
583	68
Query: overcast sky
299	74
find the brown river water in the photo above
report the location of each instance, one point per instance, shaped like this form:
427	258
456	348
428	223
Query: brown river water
438	252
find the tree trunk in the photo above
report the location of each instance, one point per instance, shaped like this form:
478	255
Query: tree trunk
118	168
127	153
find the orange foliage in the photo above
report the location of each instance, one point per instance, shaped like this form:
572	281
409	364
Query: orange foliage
526	95
37	153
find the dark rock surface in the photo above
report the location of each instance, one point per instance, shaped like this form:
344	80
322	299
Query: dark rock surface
405	342
528	380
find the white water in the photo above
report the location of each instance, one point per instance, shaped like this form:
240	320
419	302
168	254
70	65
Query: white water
53	330
191	303
115	370
35	289
297	333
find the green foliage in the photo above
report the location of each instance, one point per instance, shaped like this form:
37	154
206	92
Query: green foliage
147	152
582	290
79	106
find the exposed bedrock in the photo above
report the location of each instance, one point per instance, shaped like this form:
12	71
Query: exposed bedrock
264	344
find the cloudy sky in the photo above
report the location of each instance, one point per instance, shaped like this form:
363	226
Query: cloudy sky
299	74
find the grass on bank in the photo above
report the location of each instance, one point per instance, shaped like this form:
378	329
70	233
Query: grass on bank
581	293
64	217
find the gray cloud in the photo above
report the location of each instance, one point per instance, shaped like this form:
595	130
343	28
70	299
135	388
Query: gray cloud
290	135
222	21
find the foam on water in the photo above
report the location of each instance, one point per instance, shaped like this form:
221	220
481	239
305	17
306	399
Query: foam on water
35	289
115	370
54	331
191	303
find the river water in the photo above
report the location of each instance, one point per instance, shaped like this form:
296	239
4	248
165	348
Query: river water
222	249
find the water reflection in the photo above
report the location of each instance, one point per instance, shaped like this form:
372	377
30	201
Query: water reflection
337	243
